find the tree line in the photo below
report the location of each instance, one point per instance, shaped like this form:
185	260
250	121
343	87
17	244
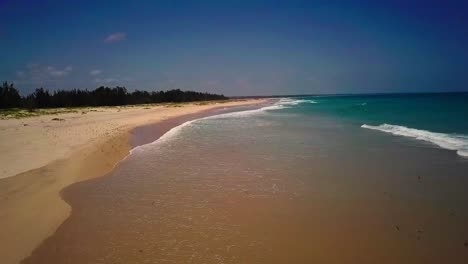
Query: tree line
101	96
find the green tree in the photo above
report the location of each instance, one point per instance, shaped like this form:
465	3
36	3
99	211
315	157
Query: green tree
9	96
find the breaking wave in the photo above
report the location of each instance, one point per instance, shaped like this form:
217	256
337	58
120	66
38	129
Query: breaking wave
280	104
456	142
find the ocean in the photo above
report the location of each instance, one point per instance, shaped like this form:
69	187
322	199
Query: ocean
315	179
435	118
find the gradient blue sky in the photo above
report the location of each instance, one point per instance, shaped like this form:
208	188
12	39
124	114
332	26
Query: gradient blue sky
236	47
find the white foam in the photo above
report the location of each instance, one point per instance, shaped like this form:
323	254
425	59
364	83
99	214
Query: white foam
176	130
166	136
291	101
455	142
280	104
246	112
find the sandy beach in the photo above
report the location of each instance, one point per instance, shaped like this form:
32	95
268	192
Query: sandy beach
233	132
40	156
280	184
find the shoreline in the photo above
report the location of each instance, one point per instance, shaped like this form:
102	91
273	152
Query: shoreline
266	188
148	133
31	205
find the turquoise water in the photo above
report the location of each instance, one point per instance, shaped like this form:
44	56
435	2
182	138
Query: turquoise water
446	113
441	119
426	120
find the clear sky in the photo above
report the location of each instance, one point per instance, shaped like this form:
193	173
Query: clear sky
236	47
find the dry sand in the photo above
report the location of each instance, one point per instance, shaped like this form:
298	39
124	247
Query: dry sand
44	156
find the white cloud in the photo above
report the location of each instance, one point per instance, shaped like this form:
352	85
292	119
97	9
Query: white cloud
116	37
52	71
119	80
106	80
95	72
39	74
20	74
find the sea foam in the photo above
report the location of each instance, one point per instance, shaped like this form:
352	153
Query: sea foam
456	142
291	101
173	132
166	136
280	104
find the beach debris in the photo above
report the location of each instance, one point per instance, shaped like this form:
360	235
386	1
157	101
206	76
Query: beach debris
452	212
57	119
466	243
419	178
25	124
397	228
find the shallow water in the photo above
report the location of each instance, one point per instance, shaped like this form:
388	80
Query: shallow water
276	185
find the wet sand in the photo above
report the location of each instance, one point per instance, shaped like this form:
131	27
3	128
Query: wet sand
352	211
81	147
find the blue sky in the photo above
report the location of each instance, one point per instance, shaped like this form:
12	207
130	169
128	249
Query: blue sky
236	47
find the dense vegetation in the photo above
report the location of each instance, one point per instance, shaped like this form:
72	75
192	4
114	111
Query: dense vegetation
102	96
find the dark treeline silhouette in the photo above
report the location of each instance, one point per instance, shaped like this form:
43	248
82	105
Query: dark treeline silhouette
102	96
9	96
